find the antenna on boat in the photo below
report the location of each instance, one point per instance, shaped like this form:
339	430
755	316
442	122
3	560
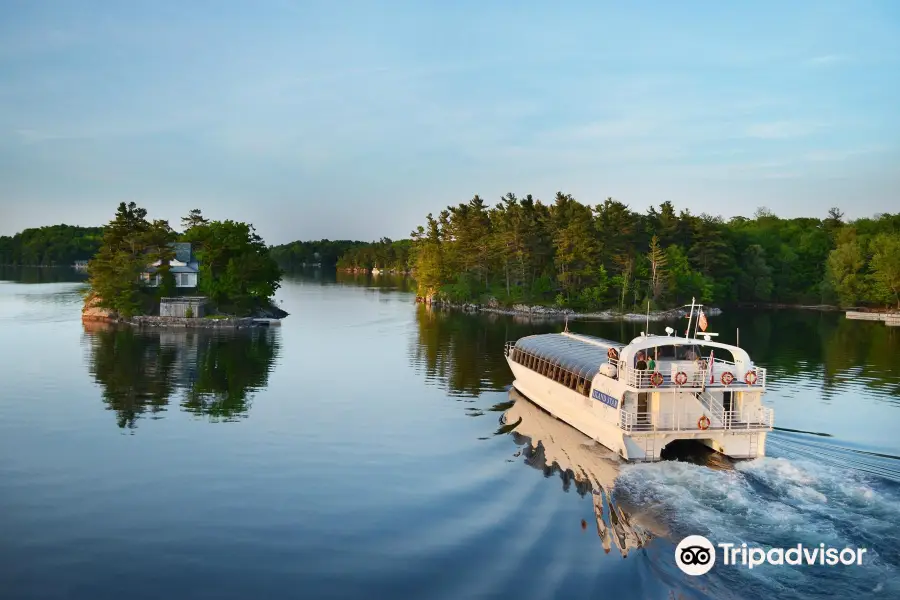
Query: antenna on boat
647	328
687	331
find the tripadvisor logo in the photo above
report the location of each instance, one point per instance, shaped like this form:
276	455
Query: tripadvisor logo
696	555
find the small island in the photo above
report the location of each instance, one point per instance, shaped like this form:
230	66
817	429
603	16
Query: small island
212	274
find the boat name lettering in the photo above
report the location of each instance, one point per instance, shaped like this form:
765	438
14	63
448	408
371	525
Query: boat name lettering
608	400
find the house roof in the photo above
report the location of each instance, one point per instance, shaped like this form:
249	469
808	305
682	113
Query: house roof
183	252
191	268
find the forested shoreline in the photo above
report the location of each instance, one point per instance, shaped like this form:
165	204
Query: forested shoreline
588	258
53	245
573	255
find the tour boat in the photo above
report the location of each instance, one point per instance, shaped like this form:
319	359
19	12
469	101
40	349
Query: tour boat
693	392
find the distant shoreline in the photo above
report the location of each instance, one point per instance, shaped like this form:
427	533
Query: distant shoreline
549	312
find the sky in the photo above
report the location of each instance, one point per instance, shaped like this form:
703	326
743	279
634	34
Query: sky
353	120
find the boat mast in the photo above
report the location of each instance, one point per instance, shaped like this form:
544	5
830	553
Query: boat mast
687	331
647	326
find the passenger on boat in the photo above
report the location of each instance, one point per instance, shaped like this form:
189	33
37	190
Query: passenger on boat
641	366
640	361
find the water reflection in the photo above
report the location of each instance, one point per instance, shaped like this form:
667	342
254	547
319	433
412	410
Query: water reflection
553	447
213	374
815	359
41	274
331	276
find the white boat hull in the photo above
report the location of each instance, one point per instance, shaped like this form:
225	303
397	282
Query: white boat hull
600	422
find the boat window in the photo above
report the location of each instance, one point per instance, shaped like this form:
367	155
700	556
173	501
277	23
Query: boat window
690	353
663	352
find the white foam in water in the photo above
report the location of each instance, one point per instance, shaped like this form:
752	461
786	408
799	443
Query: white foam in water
777	502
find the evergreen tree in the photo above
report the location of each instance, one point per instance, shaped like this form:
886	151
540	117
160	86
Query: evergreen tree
885	266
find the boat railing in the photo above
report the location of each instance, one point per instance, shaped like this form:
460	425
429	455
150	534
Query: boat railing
696	377
754	418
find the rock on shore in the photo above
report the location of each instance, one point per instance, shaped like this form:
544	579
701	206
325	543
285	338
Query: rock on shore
92	311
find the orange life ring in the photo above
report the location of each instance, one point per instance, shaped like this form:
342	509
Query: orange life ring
612	353
656	379
727	378
680	378
750	378
703	422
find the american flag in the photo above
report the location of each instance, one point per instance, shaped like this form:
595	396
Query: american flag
702	321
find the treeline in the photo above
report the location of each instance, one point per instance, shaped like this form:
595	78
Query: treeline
607	255
323	253
58	245
864	267
385	254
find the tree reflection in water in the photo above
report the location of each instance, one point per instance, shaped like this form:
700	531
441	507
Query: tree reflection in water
209	373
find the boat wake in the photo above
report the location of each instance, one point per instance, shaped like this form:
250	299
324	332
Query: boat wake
840	498
807	491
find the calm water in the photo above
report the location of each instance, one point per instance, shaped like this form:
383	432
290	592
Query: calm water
371	448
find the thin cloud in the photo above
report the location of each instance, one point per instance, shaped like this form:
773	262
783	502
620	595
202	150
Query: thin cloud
827	59
779	130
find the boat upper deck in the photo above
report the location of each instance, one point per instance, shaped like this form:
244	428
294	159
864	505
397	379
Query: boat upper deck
579	354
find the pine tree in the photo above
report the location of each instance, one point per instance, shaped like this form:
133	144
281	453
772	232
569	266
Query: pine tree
657	258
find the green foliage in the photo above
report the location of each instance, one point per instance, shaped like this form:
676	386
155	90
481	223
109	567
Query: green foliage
130	243
189	313
609	255
846	265
885	266
236	267
53	245
384	254
324	253
756	275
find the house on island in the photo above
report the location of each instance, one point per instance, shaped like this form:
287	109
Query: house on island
184	267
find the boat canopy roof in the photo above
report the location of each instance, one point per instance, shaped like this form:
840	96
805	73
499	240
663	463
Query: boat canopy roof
579	354
655	341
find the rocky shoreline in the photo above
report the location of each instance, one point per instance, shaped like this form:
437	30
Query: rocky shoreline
92	312
550	312
199	323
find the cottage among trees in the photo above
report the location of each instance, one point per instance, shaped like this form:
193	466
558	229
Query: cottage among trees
184	267
141	261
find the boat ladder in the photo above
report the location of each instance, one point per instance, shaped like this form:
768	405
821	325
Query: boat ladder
754	444
650	448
